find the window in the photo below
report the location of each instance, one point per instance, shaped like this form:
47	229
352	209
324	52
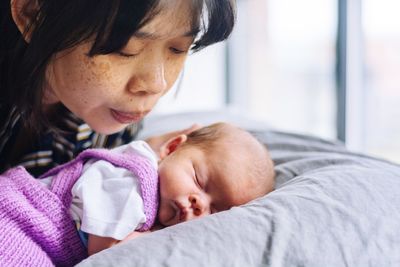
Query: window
202	84
381	26
282	64
279	66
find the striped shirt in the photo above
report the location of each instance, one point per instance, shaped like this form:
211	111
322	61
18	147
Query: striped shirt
52	149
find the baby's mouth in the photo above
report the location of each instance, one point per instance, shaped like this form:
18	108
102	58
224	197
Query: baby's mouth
182	215
181	211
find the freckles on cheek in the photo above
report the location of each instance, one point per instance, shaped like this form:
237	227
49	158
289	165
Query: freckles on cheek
96	69
87	75
174	69
97	73
104	69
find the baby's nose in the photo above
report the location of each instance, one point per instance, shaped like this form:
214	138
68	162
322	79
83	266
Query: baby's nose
198	205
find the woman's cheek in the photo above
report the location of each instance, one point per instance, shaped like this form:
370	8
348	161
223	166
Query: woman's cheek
105	82
96	69
174	68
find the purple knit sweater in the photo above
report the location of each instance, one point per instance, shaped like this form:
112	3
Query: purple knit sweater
35	226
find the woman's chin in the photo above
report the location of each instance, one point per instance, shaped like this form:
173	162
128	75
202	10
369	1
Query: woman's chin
107	129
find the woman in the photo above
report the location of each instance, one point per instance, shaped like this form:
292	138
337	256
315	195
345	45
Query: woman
76	74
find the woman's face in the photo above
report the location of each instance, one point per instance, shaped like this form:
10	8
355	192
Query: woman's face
111	91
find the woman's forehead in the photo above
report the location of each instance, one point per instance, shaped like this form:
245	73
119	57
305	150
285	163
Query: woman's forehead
171	20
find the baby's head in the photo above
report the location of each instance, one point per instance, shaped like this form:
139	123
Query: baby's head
211	170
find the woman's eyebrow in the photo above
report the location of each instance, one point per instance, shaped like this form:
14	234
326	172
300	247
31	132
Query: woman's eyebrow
153	36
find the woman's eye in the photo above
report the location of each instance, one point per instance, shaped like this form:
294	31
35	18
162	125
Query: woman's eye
178	51
123	54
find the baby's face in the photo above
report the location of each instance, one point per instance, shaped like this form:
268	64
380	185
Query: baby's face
194	183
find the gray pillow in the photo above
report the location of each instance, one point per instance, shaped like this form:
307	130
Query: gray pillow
330	207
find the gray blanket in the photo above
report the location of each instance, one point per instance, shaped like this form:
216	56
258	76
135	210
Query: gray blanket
330	207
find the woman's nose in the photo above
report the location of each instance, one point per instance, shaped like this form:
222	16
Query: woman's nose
199	205
150	79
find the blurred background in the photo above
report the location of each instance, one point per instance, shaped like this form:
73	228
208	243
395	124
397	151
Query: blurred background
329	68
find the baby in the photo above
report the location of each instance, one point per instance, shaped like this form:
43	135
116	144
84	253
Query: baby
211	170
208	171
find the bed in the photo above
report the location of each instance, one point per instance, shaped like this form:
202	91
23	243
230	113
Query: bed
330	207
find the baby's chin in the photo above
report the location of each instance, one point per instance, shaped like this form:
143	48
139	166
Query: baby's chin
167	218
167	222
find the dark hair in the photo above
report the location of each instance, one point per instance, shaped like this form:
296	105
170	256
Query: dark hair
62	24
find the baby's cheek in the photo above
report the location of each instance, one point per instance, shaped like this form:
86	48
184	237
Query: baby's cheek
165	214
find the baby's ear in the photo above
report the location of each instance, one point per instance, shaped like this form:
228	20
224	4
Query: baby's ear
171	145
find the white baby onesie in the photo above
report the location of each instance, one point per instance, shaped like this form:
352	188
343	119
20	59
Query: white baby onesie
107	199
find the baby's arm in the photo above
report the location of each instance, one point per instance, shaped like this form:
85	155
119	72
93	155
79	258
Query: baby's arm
134	235
98	243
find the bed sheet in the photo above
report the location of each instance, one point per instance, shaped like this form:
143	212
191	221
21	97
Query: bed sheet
331	207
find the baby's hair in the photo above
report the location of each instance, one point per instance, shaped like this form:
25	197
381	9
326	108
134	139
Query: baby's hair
258	163
59	25
208	136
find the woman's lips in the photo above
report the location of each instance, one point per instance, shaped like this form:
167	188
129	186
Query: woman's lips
126	117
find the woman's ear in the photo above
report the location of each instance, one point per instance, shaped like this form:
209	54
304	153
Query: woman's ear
23	13
171	145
